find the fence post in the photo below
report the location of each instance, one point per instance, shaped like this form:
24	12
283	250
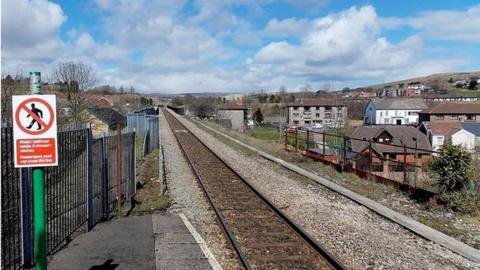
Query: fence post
104	178
344	153
90	216
296	139
27	243
371	156
323	144
286	139
404	163
119	167
308	139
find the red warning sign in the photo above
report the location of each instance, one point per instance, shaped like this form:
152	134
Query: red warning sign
35	130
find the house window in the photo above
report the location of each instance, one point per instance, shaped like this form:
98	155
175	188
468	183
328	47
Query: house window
340	115
317	108
328	115
381	113
317	115
454	116
471	117
295	108
386	113
412	113
387	120
439	140
307	108
295	122
328	108
439	117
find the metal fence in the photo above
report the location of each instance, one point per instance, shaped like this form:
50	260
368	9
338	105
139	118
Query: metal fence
145	122
82	190
404	168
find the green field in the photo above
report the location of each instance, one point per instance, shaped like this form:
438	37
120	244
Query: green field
264	133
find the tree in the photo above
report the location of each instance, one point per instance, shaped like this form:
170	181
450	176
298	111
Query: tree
473	84
16	85
177	101
74	79
451	168
258	116
450	80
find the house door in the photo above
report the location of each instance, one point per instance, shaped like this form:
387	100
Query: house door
399	121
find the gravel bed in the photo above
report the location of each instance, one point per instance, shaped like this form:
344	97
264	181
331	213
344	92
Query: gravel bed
357	236
188	198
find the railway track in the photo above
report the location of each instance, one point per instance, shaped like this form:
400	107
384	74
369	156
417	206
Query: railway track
262	236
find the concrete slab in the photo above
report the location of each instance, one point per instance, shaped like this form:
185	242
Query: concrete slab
124	243
175	247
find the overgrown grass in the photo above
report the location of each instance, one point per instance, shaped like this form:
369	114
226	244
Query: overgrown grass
149	198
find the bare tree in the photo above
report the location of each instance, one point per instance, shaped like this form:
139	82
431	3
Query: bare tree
12	85
74	78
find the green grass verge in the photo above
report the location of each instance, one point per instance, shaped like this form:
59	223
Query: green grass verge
149	196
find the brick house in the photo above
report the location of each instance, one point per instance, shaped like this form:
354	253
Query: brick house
386	151
452	112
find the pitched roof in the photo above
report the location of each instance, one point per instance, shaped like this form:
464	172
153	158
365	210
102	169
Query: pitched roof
399	103
401	135
109	116
316	102
454	108
443	128
472	127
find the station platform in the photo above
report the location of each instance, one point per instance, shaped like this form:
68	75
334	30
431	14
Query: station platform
138	242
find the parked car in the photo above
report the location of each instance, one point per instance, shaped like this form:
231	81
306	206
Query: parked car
290	129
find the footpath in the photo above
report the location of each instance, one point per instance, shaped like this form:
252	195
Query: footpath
158	241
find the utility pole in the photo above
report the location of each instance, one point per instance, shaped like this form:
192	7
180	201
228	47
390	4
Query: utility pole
39	233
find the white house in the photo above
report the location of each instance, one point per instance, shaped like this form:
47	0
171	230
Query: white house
439	133
393	111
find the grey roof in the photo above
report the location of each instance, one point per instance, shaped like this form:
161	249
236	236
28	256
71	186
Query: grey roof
109	116
401	135
472	127
399	103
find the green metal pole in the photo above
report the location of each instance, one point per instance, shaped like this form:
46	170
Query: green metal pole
39	224
40	236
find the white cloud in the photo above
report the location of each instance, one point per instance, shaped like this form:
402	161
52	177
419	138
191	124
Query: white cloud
343	46
203	50
449	24
26	23
290	27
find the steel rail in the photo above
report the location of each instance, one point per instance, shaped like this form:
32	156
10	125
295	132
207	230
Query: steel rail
315	245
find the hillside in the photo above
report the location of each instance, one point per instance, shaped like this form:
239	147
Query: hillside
439	78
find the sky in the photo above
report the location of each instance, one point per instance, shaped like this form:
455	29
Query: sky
178	46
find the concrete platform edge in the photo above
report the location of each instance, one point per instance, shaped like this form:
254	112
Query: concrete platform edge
203	246
408	223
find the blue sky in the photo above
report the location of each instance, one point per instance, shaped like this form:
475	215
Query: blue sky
174	46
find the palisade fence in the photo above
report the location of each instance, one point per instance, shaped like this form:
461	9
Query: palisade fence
92	174
405	168
146	124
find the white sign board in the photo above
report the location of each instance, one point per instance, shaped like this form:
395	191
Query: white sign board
35	130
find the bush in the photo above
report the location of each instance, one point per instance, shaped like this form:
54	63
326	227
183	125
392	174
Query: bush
452	170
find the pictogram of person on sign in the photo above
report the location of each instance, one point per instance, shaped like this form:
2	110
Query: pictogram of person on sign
38	113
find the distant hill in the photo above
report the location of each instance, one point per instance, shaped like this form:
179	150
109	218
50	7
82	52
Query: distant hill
439	78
